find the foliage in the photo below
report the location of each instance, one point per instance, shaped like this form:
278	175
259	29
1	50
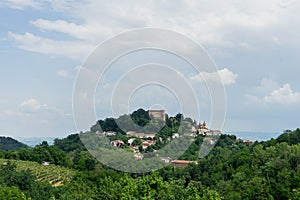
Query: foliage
70	143
11	193
232	170
55	175
7	143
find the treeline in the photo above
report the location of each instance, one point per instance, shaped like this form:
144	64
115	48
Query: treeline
21	185
139	121
266	170
40	153
103	184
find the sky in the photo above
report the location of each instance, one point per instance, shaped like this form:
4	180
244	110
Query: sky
254	44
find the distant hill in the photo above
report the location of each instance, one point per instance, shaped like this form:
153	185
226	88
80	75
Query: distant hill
259	136
33	141
290	137
7	143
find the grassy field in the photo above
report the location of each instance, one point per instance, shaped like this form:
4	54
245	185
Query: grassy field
55	175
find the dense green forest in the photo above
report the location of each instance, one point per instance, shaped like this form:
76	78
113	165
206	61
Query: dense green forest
7	143
232	170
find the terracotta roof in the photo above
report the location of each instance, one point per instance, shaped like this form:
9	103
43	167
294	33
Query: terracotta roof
183	161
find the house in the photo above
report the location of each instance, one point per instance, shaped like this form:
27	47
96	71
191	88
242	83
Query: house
203	131
110	133
130	133
182	163
147	143
135	149
45	163
117	143
138	156
247	142
152	136
151	142
130	141
160	114
175	135
140	135
190	134
135	134
165	159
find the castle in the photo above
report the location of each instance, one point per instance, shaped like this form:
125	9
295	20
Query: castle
161	114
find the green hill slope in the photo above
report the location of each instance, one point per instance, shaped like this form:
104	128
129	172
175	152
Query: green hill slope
53	174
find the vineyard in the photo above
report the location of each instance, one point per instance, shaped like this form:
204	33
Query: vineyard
55	175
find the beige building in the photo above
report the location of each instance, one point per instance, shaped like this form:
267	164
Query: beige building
161	114
182	163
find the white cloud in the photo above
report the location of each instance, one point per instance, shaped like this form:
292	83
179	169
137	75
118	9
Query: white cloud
267	85
32	105
71	49
33	118
62	73
223	76
266	93
72	29
283	95
229	24
21	4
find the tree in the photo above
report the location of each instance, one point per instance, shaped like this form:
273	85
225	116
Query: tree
11	193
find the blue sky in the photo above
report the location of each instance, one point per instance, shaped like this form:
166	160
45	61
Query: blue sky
254	44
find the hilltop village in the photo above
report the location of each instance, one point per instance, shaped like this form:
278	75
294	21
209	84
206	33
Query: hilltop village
145	141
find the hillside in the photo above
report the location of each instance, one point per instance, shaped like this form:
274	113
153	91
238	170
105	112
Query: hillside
7	143
53	174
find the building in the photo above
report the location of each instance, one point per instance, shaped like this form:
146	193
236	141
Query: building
190	135
147	143
151	136
182	163
247	142
110	133
138	156
175	135
165	159
130	141
203	131
202	126
117	143
130	133
135	149
45	163
161	114
141	135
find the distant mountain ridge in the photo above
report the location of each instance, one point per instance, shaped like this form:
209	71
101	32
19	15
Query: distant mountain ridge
259	136
8	143
32	141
